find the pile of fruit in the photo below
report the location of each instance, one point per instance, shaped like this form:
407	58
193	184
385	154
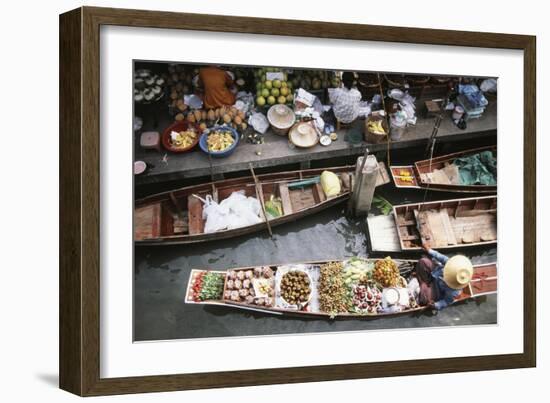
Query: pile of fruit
239	286
295	287
315	79
357	270
179	80
219	140
230	116
272	91
365	298
386	273
333	296
183	139
208	286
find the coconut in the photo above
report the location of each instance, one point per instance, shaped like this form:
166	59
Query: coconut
198	115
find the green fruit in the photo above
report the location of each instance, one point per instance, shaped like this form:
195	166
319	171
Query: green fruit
259	86
271	100
289	98
285	91
281	100
259	93
277	83
275	92
260	101
284	84
268	84
265	92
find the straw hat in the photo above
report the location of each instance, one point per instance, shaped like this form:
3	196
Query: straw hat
304	135
458	272
281	116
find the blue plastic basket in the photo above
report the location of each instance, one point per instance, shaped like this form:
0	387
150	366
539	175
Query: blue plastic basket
224	153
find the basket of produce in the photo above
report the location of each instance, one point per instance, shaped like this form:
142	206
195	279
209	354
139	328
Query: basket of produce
219	141
395	80
376	129
295	288
368	80
180	137
417	80
250	286
440	79
281	118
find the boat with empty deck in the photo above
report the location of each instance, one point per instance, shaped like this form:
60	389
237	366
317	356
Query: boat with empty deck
176	216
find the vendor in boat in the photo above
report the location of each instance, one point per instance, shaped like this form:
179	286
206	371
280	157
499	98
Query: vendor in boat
442	278
216	84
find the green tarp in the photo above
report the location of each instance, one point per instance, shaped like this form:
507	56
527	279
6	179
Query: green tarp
478	169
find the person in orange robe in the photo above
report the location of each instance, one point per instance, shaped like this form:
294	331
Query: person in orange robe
216	83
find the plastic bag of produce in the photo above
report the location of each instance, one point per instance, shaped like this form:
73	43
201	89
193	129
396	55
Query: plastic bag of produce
330	183
234	212
259	122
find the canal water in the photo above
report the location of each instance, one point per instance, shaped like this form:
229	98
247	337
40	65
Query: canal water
162	273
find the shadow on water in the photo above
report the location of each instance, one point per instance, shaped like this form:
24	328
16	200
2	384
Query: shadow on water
161	275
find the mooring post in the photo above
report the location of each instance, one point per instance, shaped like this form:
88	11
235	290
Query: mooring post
366	172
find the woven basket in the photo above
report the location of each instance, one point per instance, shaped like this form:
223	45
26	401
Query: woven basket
375	138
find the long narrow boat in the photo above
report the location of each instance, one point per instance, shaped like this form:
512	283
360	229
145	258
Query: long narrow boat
484	282
439	174
447	224
176	217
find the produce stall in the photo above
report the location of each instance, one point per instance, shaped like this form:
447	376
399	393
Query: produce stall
353	288
169	94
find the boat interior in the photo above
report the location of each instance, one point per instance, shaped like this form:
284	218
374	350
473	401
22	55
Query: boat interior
179	213
447	224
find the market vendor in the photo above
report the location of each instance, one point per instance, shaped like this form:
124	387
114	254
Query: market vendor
442	278
216	84
345	100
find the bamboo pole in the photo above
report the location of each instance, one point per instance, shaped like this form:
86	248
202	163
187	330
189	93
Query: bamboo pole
260	196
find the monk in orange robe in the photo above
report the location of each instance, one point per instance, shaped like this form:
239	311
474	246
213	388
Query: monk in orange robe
216	83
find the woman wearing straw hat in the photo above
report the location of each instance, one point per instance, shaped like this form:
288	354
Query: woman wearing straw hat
442	278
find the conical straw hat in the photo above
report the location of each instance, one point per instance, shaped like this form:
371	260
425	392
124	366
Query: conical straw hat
458	272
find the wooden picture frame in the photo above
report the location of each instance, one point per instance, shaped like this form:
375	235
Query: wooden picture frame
79	200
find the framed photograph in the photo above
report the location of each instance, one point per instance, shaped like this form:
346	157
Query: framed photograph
249	201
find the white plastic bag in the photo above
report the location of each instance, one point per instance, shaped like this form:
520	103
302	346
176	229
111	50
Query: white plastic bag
234	212
259	122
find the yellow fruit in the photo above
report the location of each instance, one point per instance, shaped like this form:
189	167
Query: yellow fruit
281	99
237	120
226	118
191	118
202	126
284	91
179	117
243	126
204	115
211	115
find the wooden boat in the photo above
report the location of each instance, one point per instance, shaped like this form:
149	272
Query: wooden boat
447	224
438	174
175	217
484	282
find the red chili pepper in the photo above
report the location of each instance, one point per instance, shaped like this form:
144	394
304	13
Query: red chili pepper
197	286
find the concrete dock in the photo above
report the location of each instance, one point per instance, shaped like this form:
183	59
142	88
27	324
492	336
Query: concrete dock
166	166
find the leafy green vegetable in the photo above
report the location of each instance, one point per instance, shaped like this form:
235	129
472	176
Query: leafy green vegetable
382	204
212	286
